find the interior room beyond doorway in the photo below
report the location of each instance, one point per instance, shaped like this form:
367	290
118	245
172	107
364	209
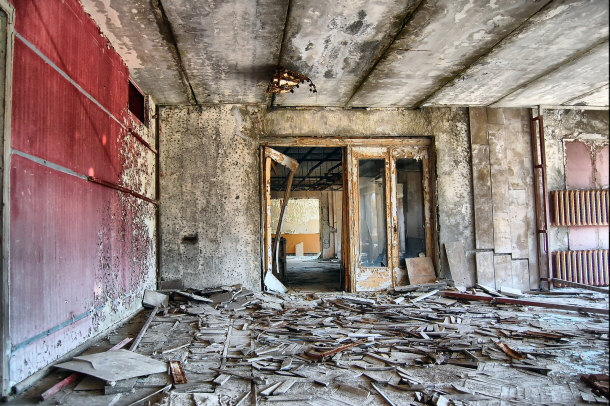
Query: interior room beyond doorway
310	245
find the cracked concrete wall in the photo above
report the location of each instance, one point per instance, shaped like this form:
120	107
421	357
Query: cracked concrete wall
209	200
209	180
448	127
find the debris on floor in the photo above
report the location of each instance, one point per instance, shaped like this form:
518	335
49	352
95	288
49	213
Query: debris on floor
417	345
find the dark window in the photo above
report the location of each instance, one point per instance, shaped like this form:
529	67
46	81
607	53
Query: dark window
136	102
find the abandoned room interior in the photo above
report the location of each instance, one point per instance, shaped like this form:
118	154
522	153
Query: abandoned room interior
240	202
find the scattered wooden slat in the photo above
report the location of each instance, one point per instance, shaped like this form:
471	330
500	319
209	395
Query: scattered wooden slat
521	302
424	296
284	387
321	355
383	395
144	399
177	373
136	342
509	351
269	390
194	297
222	379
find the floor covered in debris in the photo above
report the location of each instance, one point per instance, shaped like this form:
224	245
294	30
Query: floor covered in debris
311	273
418	346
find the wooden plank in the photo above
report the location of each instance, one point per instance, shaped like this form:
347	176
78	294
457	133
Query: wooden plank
457	263
481	184
503	270
420	270
136	342
485	268
521	302
177	372
520	274
478	125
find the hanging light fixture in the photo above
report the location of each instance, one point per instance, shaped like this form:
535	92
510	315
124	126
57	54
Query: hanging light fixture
285	81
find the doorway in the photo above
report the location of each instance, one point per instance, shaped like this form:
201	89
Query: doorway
309	252
374	196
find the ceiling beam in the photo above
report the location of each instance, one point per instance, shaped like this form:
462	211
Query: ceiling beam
317	165
167	32
570	59
585	94
450	79
409	15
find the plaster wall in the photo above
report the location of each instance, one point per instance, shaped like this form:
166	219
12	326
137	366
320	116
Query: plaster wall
329	219
209	200
210	183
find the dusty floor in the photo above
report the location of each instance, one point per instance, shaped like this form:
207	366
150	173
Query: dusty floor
312	274
343	349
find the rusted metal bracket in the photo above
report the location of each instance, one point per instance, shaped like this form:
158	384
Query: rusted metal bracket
121	188
540	195
142	140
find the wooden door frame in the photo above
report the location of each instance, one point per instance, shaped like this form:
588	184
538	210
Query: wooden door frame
355	154
425	154
346	143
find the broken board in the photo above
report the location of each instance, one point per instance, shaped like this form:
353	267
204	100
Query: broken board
114	365
420	270
457	263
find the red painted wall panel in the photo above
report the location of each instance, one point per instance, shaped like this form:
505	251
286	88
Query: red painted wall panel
63	32
72	249
579	166
68	129
76	248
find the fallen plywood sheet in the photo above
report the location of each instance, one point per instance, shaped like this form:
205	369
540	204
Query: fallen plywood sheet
299	249
154	299
114	365
273	284
457	263
485	269
420	270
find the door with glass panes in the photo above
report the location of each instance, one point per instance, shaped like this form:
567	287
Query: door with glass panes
389	199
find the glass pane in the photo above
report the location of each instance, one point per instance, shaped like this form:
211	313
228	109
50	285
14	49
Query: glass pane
371	181
410	206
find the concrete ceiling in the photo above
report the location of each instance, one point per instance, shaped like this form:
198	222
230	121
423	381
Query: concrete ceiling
364	53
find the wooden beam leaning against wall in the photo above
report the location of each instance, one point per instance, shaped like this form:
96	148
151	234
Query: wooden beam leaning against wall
272	155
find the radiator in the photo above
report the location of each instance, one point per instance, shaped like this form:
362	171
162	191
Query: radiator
589	267
579	207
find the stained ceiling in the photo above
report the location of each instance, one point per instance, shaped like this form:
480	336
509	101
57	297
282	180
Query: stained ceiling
364	53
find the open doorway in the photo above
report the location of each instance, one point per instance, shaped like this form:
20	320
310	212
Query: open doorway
309	254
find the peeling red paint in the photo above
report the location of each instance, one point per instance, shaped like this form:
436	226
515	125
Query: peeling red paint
78	249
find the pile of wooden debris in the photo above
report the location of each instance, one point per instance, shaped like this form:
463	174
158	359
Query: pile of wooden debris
429	344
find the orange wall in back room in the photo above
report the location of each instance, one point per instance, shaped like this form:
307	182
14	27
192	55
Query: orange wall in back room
311	242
